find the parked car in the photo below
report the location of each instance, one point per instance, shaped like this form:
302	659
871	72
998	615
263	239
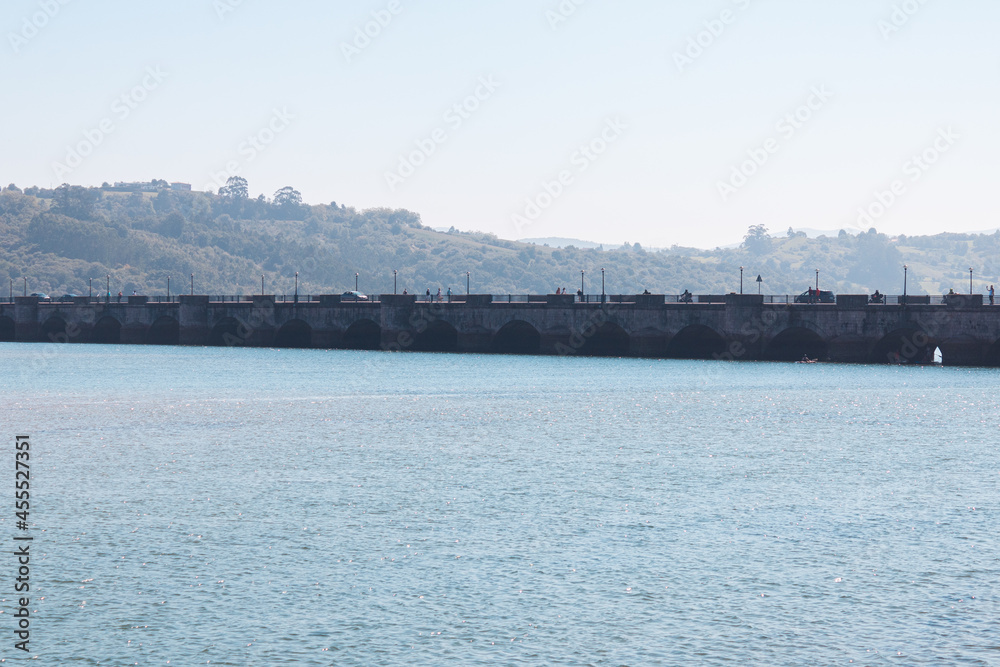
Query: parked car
41	296
810	296
67	297
353	296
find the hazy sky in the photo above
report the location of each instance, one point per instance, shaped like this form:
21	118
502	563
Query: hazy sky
660	122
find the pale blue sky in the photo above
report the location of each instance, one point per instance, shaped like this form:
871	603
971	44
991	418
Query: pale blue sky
657	182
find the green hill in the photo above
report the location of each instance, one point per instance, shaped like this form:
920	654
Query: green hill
61	239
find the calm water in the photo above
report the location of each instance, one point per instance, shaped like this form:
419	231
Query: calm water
264	507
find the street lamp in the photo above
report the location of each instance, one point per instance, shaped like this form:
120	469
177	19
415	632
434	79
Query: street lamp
26	286
970	280
12	288
90	294
741	280
192	284
296	287
602	285
582	290
262	284
468	282
905	271
108	287
355	282
817	283
394	281
168	289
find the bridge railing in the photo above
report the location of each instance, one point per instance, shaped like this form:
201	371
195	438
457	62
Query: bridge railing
776	299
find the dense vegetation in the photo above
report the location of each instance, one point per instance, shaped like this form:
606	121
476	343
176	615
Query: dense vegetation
60	239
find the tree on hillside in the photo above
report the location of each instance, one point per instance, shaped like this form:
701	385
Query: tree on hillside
757	240
235	189
75	201
288	200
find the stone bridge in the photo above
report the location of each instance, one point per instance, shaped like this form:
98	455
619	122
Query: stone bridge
733	327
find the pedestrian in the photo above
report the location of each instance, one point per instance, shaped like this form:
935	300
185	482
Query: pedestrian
428	295
119	297
991	295
439	295
449	295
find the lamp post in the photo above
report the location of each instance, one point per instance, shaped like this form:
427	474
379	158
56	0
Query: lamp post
107	286
970	280
192	284
602	285
262	284
905	272
741	280
394	281
582	290
12	288
90	294
468	282
296	287
26	286
817	283
168	289
355	282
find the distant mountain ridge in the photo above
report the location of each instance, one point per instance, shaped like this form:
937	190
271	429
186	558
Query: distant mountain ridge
62	240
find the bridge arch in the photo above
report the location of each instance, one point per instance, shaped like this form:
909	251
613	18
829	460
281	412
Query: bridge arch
963	351
362	335
908	345
606	340
54	330
439	336
992	356
165	330
517	337
794	343
107	331
229	332
7	330
696	342
294	334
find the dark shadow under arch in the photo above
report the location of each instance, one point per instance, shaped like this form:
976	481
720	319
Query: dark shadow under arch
517	337
229	332
362	335
607	340
903	346
439	336
992	357
164	331
696	342
294	334
7	330
794	343
107	331
54	330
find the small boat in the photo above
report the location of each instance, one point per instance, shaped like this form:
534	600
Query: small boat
806	360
